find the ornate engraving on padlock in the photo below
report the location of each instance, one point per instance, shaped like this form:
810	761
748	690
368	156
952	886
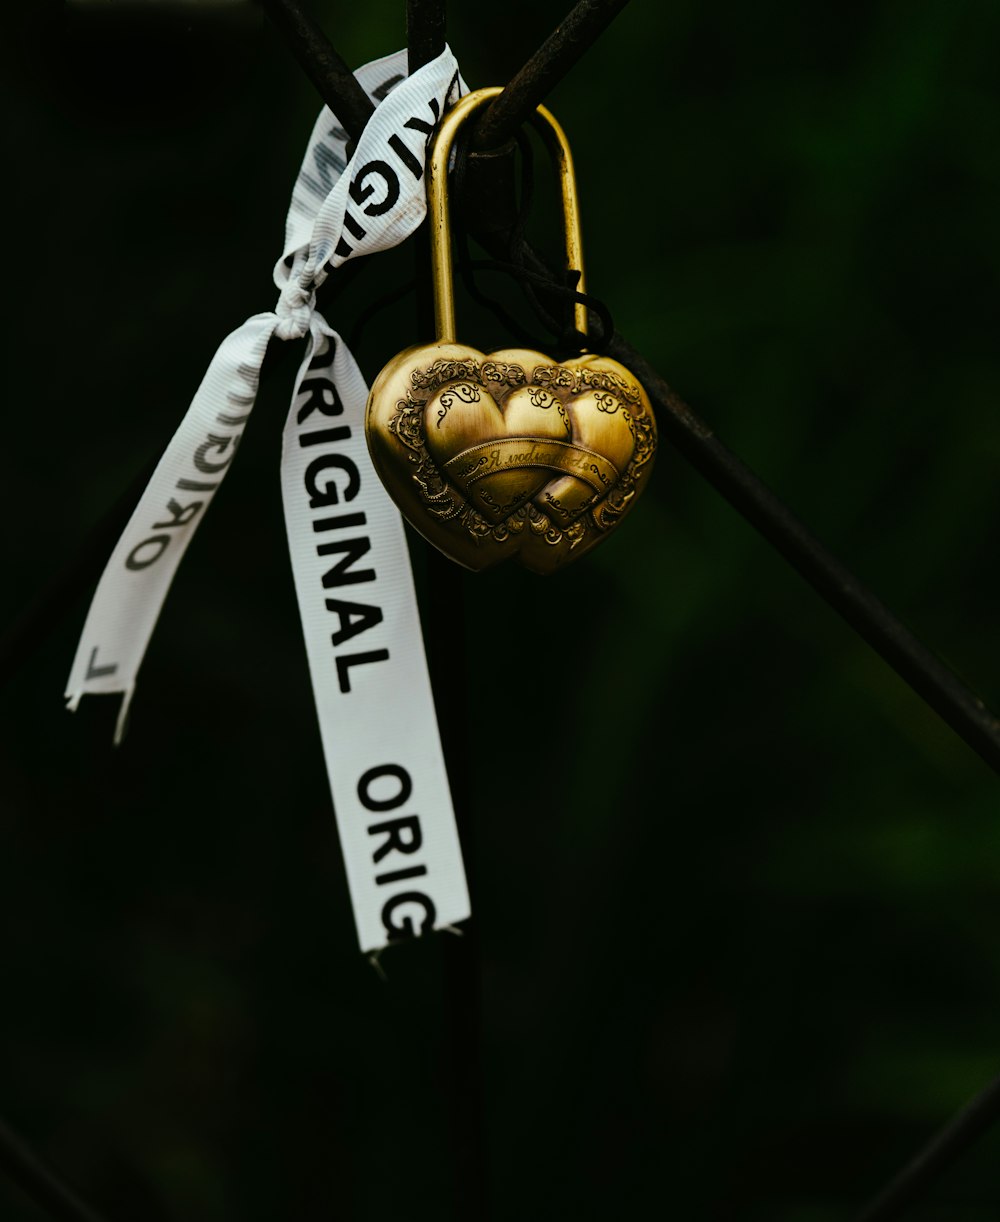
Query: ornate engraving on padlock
509	453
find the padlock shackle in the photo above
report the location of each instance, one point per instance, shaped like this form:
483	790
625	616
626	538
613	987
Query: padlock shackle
438	207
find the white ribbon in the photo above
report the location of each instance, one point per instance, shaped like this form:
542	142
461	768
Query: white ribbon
349	556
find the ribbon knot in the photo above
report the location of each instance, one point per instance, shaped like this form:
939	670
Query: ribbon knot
294	310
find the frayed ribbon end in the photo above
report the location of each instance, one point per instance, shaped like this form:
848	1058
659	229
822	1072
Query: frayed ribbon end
375	959
121	723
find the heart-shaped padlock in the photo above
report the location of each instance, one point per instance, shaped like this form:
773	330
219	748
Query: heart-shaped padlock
508	453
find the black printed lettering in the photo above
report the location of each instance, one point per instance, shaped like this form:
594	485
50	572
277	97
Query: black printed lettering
140	557
354	227
368	779
340	575
382	91
361	188
196	485
180	515
348	660
219	443
322	436
394	831
355	618
321	396
324	359
421	125
96	672
251	375
340	521
402	927
399	876
325	160
412	163
329	494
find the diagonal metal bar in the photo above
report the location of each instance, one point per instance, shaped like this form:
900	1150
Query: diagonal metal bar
957	1136
331	77
336	85
550	63
39	1182
926	674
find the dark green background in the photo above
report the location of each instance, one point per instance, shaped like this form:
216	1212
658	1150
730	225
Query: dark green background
736	890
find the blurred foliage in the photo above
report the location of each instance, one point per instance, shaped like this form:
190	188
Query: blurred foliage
747	969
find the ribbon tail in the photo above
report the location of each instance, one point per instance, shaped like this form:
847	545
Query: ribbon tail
137	577
367	663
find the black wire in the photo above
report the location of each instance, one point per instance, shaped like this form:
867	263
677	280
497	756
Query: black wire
558	286
460	178
376	308
563	336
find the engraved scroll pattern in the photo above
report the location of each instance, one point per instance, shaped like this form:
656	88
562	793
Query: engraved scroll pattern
447	504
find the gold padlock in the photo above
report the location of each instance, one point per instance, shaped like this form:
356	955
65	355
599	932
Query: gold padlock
509	453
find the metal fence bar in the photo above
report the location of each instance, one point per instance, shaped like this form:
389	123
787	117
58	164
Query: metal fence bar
957	1136
926	674
531	85
40	1182
330	75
